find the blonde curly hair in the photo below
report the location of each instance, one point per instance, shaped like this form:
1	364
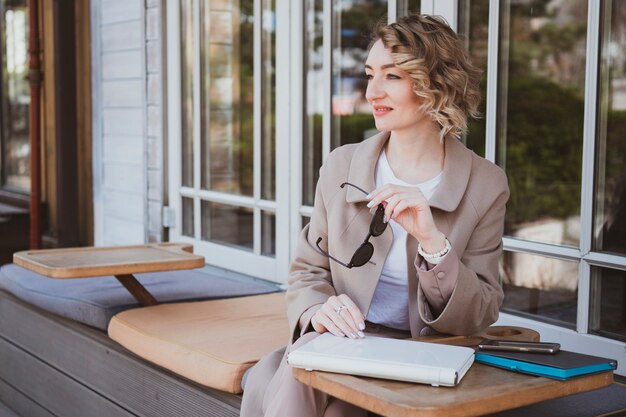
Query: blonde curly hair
435	58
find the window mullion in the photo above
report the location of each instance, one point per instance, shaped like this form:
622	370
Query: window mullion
492	80
174	124
257	111
588	159
196	118
392	10
296	92
589	133
427	7
327	68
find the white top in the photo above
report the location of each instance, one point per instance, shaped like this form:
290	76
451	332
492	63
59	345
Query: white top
390	304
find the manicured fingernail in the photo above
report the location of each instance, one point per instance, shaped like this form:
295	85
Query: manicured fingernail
361	334
341	334
369	195
362	326
384	219
370	204
353	335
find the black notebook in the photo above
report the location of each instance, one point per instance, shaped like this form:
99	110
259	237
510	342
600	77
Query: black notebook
561	365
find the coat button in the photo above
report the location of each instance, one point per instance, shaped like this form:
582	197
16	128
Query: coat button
441	274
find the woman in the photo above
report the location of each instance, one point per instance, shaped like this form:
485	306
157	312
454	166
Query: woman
435	269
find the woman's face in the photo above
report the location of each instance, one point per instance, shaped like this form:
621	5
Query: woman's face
390	92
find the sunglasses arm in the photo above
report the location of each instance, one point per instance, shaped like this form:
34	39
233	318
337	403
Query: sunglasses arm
319	239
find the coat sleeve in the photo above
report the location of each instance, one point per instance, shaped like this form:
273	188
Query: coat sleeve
477	295
310	281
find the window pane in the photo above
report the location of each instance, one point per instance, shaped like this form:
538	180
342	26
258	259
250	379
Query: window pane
406	7
304	220
186	76
15	149
474	29
313	99
268	94
228	225
610	204
188	217
544	288
608	303
227	96
268	234
540	121
353	22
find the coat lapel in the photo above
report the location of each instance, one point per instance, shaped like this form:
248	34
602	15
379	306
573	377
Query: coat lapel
363	167
457	166
456	172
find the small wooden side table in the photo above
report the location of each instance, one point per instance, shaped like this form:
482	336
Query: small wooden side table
120	261
484	390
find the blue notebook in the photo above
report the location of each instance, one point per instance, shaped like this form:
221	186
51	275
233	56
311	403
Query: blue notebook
561	365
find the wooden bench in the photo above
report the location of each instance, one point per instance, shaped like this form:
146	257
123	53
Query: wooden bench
51	366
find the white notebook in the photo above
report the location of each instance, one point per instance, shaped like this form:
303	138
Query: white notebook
378	357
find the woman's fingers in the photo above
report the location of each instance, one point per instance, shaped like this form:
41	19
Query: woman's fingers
328	324
354	315
341	317
338	315
381	194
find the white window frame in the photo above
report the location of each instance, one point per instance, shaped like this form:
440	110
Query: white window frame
578	339
289	124
228	257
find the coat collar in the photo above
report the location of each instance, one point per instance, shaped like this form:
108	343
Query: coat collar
457	166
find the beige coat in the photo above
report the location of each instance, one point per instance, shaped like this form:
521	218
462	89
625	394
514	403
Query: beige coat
461	295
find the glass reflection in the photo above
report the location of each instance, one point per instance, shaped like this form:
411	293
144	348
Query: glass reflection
608	302
544	288
268	234
186	76
15	145
188	217
540	121
313	98
473	27
352	25
228	225
227	96
610	181
268	100
406	7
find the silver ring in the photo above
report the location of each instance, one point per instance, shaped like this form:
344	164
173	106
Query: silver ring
340	308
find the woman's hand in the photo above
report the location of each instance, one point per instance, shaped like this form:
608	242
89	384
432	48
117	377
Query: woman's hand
410	209
340	316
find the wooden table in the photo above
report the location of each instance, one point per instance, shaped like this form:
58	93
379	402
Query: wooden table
120	261
483	390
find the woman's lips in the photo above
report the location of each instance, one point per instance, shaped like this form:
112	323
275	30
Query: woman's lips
381	110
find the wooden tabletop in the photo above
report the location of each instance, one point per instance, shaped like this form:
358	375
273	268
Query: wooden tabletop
483	390
117	260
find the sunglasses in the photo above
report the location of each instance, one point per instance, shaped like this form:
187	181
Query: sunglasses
364	253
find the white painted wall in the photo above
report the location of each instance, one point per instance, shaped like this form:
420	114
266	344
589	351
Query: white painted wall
127	121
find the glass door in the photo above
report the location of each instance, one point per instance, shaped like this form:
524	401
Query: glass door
223	183
15	98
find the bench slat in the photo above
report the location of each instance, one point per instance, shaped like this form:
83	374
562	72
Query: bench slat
112	371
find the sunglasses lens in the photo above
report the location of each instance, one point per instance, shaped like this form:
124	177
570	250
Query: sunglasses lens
378	226
362	255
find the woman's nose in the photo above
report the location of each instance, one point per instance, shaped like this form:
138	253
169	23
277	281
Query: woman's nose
374	90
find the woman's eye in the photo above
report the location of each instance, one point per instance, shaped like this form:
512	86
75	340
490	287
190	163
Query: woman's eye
368	76
393	77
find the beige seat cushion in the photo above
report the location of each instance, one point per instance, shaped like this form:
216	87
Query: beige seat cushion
210	342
